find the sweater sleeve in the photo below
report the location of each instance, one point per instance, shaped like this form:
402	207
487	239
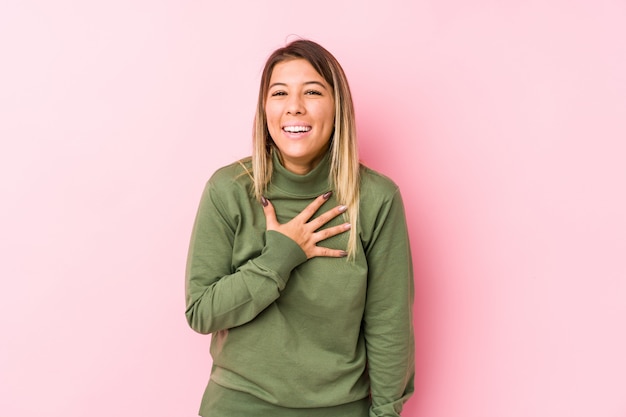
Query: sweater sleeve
218	295
388	324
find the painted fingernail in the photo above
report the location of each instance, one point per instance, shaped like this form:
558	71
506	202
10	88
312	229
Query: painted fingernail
343	254
342	208
347	226
327	195
264	201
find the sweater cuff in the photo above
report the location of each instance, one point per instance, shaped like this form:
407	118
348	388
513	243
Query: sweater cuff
280	255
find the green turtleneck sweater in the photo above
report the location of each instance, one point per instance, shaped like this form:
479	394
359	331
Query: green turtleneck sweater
303	333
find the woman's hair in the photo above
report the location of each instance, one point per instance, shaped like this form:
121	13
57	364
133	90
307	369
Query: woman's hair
344	158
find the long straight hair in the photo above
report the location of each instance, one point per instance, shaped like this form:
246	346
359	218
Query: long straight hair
344	157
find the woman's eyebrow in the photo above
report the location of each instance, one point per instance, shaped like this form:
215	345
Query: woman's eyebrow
316	83
305	83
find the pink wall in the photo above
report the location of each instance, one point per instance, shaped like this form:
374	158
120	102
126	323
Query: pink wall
503	122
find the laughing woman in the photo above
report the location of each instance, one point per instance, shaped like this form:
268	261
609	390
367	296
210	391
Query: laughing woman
299	263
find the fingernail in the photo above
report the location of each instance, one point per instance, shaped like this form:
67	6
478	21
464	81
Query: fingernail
327	195
344	253
264	201
347	226
342	208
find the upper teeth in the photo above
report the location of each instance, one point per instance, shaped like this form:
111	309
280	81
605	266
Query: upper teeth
295	129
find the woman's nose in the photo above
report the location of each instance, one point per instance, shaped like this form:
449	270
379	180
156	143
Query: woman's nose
295	105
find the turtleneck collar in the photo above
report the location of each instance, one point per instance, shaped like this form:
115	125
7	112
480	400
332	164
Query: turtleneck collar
310	184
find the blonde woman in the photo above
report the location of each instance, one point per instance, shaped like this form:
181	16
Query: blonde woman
299	263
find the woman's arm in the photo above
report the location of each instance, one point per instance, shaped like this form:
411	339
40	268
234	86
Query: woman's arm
218	297
388	312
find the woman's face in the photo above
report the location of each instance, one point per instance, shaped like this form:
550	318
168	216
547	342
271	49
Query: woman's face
300	112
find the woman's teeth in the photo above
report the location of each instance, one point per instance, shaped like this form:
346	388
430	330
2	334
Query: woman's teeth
296	129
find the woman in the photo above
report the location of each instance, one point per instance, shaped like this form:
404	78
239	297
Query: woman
299	264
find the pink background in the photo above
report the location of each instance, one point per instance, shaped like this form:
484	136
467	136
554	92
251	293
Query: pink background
504	123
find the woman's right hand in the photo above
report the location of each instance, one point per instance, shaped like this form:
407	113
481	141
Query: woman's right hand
306	233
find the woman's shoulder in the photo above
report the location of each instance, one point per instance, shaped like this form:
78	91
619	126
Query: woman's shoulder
375	183
379	197
238	173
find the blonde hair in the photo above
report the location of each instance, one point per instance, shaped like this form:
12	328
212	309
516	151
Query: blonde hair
344	158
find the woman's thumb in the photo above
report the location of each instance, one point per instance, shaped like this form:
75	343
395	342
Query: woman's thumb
270	214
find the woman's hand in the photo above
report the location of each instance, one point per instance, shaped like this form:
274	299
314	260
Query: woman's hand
304	232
